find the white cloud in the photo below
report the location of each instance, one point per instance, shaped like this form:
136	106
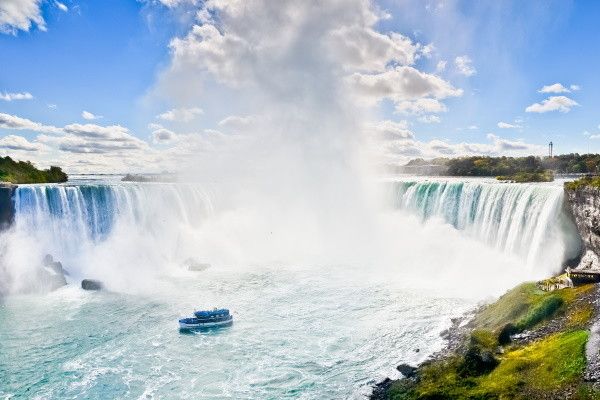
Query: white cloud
114	132
575	87
427	50
472	127
181	114
464	65
15	96
8	121
89	116
441	65
390	130
555	88
61	6
162	135
259	40
18	15
430	119
177	3
421	106
506	125
90	147
95	139
52	106
237	123
362	48
396	151
15	142
553	103
400	84
505	144
257	33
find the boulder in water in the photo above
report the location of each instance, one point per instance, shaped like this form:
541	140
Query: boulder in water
192	264
91	284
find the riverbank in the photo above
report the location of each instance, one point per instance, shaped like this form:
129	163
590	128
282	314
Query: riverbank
529	344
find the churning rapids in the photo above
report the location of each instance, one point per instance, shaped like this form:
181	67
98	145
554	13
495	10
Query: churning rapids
305	327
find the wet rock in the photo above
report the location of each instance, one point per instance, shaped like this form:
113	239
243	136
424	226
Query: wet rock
592	347
191	264
380	390
584	204
407	370
7	207
55	266
52	273
91	284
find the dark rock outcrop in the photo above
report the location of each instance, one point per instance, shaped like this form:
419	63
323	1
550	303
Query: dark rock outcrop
381	389
407	370
584	205
91	284
7	207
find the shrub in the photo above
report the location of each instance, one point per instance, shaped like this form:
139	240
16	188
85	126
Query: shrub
479	358
540	312
506	332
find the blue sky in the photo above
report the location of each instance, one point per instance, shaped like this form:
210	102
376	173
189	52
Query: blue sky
153	86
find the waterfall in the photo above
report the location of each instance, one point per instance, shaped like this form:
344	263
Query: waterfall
90	212
110	231
522	219
122	233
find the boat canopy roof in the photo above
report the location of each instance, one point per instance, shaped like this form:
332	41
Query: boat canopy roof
212	313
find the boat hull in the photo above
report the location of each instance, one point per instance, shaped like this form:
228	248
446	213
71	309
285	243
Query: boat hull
205	325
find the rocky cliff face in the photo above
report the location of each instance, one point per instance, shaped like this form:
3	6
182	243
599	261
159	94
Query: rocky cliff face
584	204
7	208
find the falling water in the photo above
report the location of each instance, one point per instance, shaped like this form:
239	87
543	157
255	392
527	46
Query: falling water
91	211
522	219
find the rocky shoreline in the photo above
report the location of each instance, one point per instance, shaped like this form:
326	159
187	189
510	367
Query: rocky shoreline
476	338
473	341
455	338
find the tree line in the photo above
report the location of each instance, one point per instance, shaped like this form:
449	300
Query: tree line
506	166
25	172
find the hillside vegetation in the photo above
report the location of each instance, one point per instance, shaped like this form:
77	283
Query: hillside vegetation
25	172
490	365
529	168
586	181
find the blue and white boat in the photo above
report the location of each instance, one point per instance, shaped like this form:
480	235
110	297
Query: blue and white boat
207	319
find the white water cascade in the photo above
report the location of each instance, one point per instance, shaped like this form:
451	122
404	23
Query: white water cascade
125	232
523	219
113	231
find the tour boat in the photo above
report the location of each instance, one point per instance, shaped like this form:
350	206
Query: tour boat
207	319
